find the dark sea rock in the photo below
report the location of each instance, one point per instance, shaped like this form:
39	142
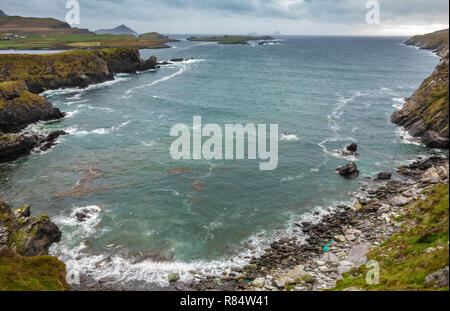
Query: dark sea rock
384	176
349	171
352	147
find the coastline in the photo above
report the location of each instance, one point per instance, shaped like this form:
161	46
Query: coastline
291	264
283	246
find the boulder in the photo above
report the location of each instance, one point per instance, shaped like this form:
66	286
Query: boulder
431	175
383	176
259	282
398	200
357	254
173	277
352	147
439	278
349	171
291	277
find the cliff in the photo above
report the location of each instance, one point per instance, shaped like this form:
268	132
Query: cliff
71	69
24	244
425	113
24	76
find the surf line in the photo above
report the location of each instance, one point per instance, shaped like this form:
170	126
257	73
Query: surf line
235	134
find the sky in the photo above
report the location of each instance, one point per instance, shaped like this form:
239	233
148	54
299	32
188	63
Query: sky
289	17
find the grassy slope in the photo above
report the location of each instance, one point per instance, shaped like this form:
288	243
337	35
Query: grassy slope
43	273
434	41
403	258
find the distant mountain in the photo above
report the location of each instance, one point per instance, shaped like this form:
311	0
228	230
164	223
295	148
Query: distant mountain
35	25
119	30
2	14
276	33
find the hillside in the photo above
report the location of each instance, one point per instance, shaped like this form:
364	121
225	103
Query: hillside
119	30
2	14
30	33
425	113
33	25
436	41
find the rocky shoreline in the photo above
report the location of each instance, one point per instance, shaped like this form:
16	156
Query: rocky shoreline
347	234
316	254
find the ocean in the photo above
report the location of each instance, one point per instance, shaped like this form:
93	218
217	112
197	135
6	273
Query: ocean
149	215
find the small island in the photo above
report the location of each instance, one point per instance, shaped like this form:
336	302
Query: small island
230	39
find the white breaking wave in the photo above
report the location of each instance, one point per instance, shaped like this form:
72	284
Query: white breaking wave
100	131
406	138
182	69
79	91
333	119
289	137
130	91
399	102
79	260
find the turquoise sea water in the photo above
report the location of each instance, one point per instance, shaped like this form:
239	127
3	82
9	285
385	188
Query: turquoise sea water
146	222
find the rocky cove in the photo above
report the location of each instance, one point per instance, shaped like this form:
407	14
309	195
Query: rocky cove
298	262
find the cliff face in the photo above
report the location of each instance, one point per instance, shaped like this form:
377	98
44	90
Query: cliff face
425	113
71	69
24	244
23	77
19	107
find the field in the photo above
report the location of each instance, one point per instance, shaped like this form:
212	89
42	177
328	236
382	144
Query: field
77	41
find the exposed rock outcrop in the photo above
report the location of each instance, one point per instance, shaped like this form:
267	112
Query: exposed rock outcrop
24	243
71	69
349	171
24	234
19	107
425	113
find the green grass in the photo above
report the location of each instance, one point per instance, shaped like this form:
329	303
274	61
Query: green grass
44	273
404	260
73	41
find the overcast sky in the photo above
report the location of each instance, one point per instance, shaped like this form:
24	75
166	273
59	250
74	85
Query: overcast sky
290	17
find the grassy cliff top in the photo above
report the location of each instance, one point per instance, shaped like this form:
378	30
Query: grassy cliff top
23	67
44	273
433	41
